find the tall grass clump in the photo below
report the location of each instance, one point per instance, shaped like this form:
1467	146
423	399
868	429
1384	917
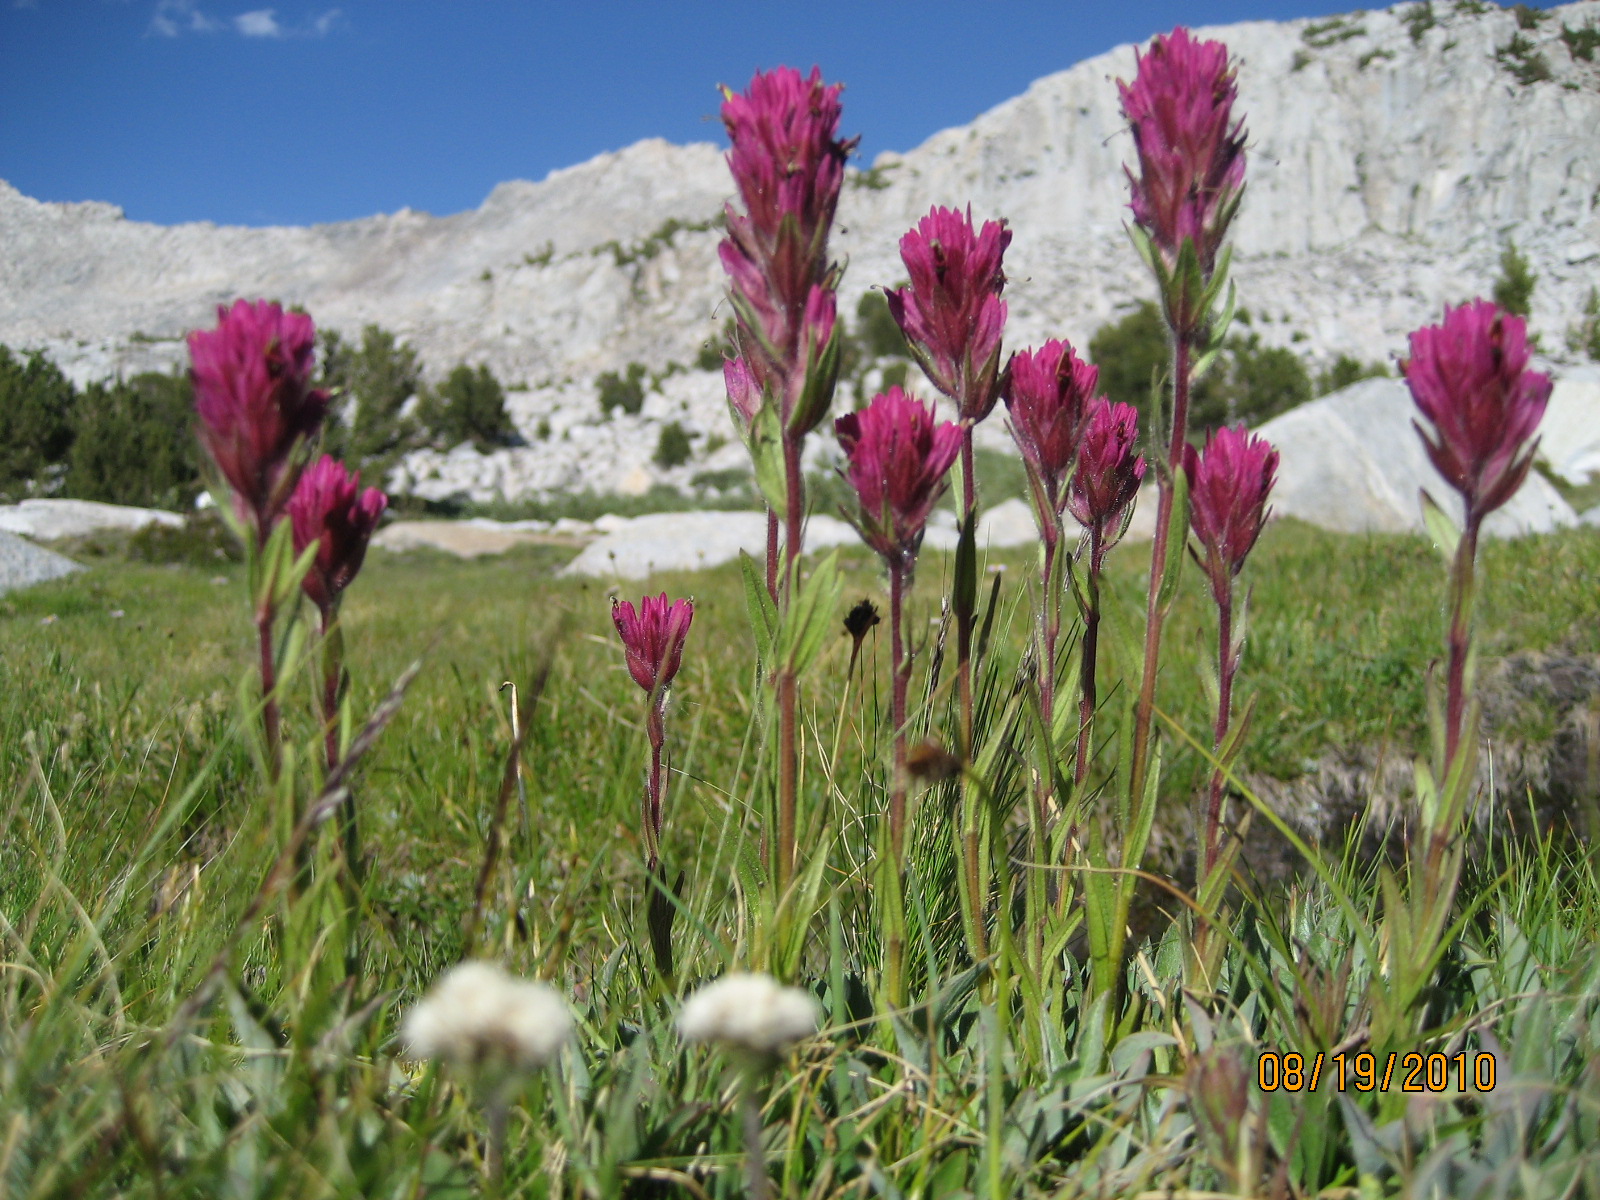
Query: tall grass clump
776	908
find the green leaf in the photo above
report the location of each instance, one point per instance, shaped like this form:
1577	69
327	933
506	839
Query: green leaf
766	452
804	627
759	605
1137	836
1444	532
816	393
1237	731
1177	538
965	595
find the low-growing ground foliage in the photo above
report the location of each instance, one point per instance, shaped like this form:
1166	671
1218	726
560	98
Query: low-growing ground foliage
138	832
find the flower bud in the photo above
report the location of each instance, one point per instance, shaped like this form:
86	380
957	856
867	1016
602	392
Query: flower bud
1229	482
653	638
329	508
952	314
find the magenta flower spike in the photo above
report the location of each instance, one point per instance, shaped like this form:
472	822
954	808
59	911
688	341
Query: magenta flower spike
898	457
952	314
1229	482
1109	472
1470	378
1047	393
329	508
788	166
1190	148
253	395
653	638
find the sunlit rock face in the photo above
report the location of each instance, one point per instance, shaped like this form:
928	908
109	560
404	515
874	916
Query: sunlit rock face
1386	174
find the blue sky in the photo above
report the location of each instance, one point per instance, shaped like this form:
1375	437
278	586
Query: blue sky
239	113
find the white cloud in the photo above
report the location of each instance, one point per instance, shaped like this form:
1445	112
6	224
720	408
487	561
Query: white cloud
173	17
35	4
258	24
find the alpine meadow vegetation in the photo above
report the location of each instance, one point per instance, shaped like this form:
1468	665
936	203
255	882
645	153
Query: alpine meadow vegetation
880	872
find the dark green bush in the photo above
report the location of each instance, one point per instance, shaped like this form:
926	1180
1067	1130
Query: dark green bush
622	391
1249	382
469	406
1583	41
1513	291
1584	336
371	384
672	447
1419	19
876	330
1131	353
135	443
1345	371
1525	63
37	404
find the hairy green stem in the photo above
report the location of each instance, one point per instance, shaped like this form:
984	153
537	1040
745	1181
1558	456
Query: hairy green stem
1049	633
759	1186
1226	665
1087	699
1460	645
787	685
899	677
1154	614
964	613
965	619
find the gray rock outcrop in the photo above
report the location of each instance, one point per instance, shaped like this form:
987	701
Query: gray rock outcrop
1353	463
51	519
22	564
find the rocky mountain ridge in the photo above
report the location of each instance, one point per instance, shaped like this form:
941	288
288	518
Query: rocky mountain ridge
1393	155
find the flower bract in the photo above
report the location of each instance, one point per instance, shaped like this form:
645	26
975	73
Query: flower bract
952	314
1190	147
1470	379
897	460
253	395
1047	394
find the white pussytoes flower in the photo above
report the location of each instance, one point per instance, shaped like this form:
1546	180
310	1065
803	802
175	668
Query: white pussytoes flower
478	1016
750	1012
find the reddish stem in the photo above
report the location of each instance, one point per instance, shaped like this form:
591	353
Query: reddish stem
964	613
1460	642
772	553
1460	638
655	793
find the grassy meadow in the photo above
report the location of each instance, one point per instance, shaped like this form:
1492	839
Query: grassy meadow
172	1026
